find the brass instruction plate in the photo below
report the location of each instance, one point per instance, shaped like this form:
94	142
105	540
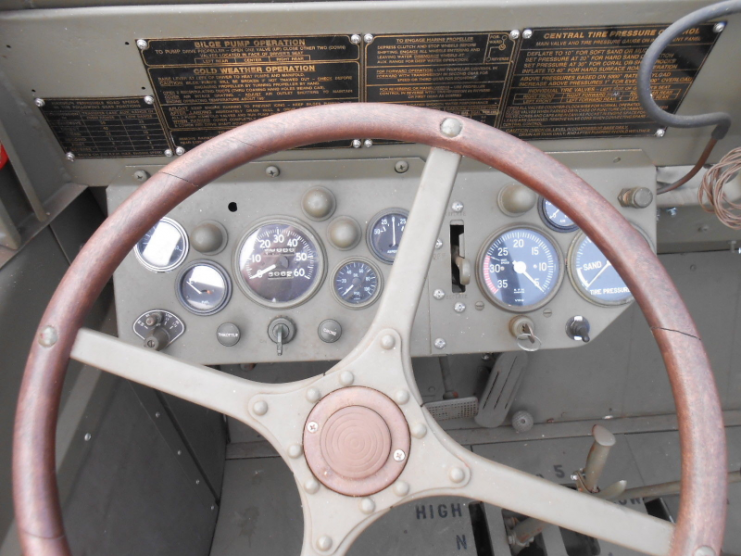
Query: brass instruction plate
106	127
209	85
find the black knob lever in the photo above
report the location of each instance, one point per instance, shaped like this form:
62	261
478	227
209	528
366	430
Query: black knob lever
577	328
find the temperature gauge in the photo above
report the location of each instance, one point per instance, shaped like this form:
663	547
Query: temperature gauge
204	288
357	283
384	233
163	247
554	217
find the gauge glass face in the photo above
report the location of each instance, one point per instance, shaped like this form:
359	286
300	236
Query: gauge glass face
595	276
357	283
280	264
555	218
204	288
385	234
163	247
520	269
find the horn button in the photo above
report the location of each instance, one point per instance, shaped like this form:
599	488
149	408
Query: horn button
356	441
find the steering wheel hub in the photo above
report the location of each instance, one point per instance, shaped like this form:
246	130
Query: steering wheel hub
356	441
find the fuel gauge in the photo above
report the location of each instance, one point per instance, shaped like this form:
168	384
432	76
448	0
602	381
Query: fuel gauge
204	288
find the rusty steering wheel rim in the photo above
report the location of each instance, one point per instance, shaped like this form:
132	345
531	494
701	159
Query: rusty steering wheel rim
702	437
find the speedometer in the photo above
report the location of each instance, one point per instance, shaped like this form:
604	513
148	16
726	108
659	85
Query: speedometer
519	269
280	263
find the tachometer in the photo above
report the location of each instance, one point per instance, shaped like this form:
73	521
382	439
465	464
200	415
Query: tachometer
520	269
280	263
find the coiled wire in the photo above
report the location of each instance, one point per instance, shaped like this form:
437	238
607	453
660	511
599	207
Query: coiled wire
711	190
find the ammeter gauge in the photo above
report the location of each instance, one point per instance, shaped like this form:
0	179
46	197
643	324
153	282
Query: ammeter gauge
203	288
164	247
357	283
280	263
554	218
519	269
384	233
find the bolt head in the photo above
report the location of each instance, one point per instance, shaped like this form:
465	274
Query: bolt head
70	157
272	171
355	39
399	455
324	543
313	395
40	102
368	143
440	343
401	488
149	99
457	475
311	486
527	34
388	341
451	127
514	34
660	132
260	407
295	451
346	378
312	427
457	207
168	153
438	294
401	166
459	307
401	396
438	243
718	27
419	430
356	143
367	506
180	151
368	38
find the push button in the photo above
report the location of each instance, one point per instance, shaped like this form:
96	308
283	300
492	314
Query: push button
228	334
329	331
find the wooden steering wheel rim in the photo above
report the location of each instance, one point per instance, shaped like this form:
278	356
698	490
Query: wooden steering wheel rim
701	519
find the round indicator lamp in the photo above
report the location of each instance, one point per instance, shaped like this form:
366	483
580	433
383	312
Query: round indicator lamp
357	283
203	288
520	269
280	263
164	247
554	218
384	233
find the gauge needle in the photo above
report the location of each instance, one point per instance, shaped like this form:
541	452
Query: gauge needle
259	273
347	290
393	230
192	286
521	268
609	264
555	213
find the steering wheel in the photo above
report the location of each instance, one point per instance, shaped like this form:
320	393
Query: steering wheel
357	438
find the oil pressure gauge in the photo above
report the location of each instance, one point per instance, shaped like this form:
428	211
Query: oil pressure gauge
357	283
554	218
164	247
519	269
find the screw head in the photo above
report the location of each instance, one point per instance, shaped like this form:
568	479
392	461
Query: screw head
356	143
313	395
438	243
346	378
272	171
70	157
88	436
401	166
438	294
671	211
401	396
142	44
574	476
311	486
367	506
660	132
312	427
40	102
718	27
388	341
168	153
180	151
260	407
514	34
141	175
457	474
149	99
419	430
324	543
368	38
440	343
401	488
295	451
355	39
459	307
457	206
527	34
399	455
368	143
479	305
451	127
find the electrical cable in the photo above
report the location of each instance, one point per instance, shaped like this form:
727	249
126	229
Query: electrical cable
721	120
712	186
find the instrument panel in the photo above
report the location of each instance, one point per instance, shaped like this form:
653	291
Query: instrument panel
255	268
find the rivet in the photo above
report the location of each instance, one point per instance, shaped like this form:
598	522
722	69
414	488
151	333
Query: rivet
198	481
40	102
272	171
295	451
459	307
401	488
457	474
142	44
311	486
324	543
388	341
48	336
312	427
438	243
401	396
399	455
149	99
419	430
168	153
451	127
180	151
346	378
718	27
514	34
70	157
367	506
457	207
355	39
157	414
438	294
88	436
356	143
440	343
313	395
704	551
260	407
368	143
368	38
527	34
660	132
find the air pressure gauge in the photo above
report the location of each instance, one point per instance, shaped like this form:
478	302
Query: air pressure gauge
384	233
164	247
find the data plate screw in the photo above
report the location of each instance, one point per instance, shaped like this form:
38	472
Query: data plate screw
527	34
660	132
168	153
718	27
356	143
180	151
40	102
149	99
355	39
368	38
368	143
142	44
70	157
514	34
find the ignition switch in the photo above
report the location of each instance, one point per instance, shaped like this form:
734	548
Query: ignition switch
281	330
